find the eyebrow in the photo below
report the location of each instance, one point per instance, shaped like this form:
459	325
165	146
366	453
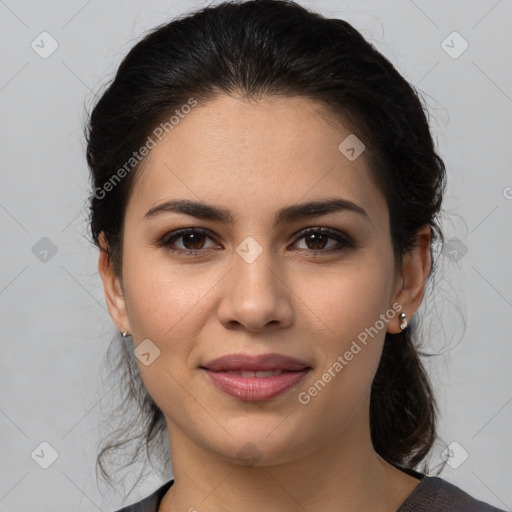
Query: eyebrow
288	214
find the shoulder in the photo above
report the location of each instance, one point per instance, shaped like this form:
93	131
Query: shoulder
149	503
434	494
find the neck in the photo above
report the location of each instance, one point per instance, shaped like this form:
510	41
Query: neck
344	474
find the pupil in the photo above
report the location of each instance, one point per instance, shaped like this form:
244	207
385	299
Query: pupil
189	239
316	238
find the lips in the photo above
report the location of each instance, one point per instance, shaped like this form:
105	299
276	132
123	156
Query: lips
255	377
255	363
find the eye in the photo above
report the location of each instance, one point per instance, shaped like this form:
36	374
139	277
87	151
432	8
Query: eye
316	240
192	240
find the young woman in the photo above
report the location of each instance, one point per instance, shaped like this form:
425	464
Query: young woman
265	198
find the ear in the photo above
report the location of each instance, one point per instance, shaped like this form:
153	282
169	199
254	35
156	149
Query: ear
112	285
410	284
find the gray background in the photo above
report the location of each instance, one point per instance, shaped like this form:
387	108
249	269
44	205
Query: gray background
54	324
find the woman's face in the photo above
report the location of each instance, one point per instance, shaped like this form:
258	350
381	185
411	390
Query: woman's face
251	286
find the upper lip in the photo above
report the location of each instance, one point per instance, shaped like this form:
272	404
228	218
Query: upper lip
255	363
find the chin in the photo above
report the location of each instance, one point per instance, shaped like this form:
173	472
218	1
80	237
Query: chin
261	445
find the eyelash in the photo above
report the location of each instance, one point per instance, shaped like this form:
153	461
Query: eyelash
343	239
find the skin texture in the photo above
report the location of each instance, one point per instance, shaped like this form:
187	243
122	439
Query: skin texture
253	158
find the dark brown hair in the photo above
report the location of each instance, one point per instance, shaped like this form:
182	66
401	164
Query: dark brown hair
260	48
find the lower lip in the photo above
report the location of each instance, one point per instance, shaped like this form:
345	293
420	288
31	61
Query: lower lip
255	388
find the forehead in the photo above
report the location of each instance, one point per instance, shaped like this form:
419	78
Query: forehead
263	153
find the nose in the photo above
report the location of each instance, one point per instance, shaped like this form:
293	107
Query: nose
255	294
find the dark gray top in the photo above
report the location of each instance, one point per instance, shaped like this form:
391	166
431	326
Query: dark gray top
432	494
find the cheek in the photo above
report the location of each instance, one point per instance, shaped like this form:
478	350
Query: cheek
348	307
162	298
350	299
166	305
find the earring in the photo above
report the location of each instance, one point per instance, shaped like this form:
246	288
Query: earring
403	321
125	334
